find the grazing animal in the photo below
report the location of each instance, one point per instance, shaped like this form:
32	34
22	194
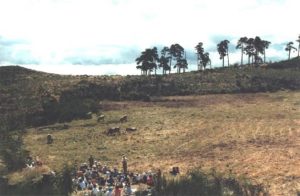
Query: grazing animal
130	129
100	118
113	130
49	139
123	119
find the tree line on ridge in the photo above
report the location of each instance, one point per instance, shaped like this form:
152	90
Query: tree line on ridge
175	55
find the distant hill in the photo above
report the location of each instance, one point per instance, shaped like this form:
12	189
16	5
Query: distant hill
33	98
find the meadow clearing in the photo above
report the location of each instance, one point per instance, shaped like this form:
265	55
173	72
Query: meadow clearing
256	136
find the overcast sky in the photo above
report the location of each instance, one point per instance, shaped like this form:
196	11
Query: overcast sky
105	36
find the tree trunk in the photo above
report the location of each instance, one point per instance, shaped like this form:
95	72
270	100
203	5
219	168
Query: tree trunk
170	65
198	62
223	60
242	55
264	55
248	60
298	49
228	58
289	54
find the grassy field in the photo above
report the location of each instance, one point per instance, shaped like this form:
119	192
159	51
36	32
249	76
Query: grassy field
251	135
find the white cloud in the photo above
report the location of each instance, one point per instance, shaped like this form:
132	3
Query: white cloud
58	29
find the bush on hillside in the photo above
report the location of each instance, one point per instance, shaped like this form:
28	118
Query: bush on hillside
13	151
38	181
198	183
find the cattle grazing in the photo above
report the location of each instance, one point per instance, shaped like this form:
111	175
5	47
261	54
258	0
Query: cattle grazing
49	139
123	119
100	118
113	131
130	129
89	115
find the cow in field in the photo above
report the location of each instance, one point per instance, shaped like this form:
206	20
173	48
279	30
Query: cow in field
100	118
113	131
131	129
49	139
123	119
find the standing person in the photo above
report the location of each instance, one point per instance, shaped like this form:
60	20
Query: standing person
91	161
124	164
159	181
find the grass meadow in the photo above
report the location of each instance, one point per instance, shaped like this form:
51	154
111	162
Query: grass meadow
256	136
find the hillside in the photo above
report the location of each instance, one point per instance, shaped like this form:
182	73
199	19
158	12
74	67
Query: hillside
28	96
234	120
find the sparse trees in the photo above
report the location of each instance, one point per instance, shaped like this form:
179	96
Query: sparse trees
266	45
200	51
289	47
164	60
147	61
258	49
249	49
202	58
223	50
254	47
172	54
177	51
206	60
241	45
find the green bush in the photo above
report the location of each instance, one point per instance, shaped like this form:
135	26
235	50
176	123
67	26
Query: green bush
44	184
199	183
11	147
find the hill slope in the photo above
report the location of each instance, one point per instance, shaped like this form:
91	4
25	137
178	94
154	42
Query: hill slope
25	94
229	132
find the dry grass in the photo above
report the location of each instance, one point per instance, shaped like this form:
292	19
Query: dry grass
252	135
28	174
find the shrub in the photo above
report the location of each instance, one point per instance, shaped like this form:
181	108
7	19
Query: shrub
39	181
13	151
199	183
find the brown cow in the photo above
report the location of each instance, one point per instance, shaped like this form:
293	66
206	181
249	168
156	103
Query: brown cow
123	119
113	131
49	139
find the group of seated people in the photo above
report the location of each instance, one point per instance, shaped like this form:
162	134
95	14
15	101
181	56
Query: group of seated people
101	180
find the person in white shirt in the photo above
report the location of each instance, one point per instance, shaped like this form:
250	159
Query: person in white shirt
95	190
82	184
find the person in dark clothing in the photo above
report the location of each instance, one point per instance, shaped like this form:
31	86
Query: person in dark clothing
110	181
91	161
124	164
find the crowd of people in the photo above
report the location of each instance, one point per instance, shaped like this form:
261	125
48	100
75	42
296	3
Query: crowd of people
101	180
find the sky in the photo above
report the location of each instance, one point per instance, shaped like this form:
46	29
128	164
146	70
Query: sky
99	37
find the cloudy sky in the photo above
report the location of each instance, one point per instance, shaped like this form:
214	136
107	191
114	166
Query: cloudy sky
105	36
